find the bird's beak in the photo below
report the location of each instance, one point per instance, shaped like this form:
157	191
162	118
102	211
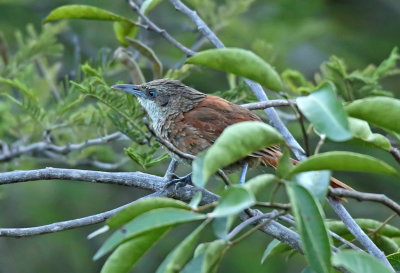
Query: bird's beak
129	88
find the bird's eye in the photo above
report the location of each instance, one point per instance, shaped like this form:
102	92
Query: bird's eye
151	93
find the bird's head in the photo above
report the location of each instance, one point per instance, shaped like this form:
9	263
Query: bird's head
164	97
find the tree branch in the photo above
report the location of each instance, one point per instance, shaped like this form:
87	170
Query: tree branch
133	179
358	233
17	150
364	196
267	104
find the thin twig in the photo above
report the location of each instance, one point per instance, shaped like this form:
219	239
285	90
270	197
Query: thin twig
267	104
17	149
320	143
358	233
274	205
365	196
289	219
66	225
153	27
395	153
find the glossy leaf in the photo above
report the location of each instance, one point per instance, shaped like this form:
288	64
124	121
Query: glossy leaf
356	261
273	248
310	224
83	12
367	225
316	182
284	164
239	62
259	183
235	142
176	259
148	5
123	29
233	200
147	222
196	199
124	258
326	113
344	161
144	205
213	253
222	225
383	112
362	131
149	54
394	260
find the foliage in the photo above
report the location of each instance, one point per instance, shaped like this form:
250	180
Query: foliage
39	103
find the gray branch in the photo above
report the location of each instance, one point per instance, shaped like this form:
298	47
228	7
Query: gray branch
358	233
365	196
132	179
16	150
268	104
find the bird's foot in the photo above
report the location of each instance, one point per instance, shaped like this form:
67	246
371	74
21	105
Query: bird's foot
179	181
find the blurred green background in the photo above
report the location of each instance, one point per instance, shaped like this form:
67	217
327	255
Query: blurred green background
297	34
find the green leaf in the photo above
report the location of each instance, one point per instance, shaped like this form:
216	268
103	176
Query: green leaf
146	222
123	29
326	113
194	265
222	225
310	224
235	142
149	54
386	244
211	254
362	131
83	12
258	183
394	260
239	62
273	248
141	206
383	112
233	200
367	225
357	262
284	164
196	199
148	5
344	161
182	253
316	182
124	258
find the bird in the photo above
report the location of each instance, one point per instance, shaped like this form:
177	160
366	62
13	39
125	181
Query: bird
192	121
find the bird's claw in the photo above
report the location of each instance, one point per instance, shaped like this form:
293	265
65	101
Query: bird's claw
179	181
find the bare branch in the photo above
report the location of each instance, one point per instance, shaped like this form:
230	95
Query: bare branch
364	196
358	233
17	149
133	179
395	153
267	104
65	225
153	27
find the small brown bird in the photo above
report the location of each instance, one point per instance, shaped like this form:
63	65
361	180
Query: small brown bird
192	121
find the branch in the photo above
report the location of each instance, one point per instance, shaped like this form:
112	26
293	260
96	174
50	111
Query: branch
395	153
268	104
133	179
358	233
65	225
153	27
17	150
364	196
